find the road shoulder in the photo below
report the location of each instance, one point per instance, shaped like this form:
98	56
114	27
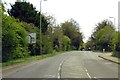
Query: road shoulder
107	56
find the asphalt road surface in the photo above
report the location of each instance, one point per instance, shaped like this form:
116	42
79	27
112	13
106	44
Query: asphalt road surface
73	64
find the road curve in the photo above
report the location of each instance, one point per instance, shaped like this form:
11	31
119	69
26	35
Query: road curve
72	64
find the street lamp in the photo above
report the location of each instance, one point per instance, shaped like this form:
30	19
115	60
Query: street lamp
41	27
114	19
114	26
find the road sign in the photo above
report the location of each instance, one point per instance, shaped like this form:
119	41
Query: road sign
31	38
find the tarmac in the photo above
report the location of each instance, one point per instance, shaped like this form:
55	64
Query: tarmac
107	56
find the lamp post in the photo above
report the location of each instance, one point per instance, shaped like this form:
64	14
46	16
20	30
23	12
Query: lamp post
41	27
114	19
114	26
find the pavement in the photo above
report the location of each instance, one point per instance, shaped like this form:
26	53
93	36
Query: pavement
107	56
72	64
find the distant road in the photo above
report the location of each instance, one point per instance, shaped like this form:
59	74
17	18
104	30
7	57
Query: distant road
73	64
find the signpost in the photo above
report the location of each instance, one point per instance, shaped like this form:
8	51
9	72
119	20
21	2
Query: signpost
31	38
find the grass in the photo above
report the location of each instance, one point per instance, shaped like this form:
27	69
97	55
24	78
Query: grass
116	54
27	59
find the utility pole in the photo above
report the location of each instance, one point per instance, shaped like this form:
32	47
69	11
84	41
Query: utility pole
41	27
40	30
18	0
21	0
114	26
113	19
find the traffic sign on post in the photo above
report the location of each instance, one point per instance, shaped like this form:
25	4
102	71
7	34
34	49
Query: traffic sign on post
31	38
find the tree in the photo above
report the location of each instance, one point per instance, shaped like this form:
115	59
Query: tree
57	38
66	43
47	47
102	36
102	24
14	43
88	45
27	12
71	29
116	42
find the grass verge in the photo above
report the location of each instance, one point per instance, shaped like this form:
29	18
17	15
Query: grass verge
116	54
27	59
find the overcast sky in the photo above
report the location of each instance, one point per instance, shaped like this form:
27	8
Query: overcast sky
86	12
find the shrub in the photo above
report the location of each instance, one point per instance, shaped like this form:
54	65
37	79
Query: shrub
14	44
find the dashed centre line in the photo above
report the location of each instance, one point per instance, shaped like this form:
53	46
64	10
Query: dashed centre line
88	73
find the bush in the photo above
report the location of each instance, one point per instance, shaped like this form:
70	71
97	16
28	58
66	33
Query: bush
47	44
14	43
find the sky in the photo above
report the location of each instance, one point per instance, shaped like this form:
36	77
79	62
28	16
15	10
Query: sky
86	12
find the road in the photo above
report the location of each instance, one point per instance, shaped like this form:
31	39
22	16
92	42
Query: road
73	64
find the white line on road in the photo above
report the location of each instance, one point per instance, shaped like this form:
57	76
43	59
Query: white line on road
108	63
95	77
89	75
61	63
58	75
59	69
86	70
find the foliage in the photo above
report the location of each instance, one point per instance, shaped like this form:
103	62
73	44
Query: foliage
60	41
71	29
88	45
66	43
14	44
116	41
103	36
57	38
25	19
47	45
34	49
24	11
27	59
102	24
27	13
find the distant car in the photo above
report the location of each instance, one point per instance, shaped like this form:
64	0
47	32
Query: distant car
82	49
89	49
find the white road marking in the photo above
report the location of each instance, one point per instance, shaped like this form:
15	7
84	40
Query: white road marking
74	73
89	75
61	64
108	63
95	77
86	70
59	69
58	76
50	76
